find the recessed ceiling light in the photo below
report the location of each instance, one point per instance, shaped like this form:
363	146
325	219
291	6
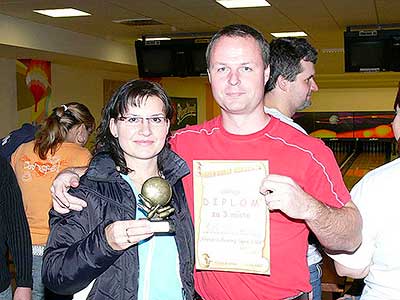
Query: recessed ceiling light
62	12
137	22
243	3
156	39
289	34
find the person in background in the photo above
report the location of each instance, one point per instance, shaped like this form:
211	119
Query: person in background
289	90
111	241
14	224
377	259
15	138
59	143
396	125
238	68
14	234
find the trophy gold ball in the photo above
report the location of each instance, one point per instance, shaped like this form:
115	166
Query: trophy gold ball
155	195
156	191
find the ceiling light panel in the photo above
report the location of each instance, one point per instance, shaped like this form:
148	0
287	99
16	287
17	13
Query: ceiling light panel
243	3
62	12
289	34
156	39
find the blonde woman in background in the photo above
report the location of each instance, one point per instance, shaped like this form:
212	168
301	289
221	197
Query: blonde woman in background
59	144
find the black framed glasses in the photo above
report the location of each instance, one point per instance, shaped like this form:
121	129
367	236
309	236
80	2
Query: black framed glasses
136	121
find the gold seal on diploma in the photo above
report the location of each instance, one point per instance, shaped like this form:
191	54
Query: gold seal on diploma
204	260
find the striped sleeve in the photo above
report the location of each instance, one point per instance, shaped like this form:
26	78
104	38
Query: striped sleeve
17	230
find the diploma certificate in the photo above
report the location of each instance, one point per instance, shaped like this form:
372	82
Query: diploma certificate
231	216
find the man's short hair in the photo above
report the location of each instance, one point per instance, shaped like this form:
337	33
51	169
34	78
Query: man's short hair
240	30
286	56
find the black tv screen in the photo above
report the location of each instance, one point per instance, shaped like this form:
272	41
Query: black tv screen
395	55
366	55
374	50
198	56
157	61
180	58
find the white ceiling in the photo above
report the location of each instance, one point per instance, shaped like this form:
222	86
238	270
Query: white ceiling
323	20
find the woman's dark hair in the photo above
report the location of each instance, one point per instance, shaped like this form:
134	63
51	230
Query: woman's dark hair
132	93
397	99
53	132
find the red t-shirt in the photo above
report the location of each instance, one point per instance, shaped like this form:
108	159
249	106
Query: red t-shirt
291	153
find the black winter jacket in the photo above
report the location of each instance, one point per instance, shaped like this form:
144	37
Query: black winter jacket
77	251
14	230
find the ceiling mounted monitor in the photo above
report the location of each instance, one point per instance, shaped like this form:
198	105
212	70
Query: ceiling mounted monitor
173	58
372	50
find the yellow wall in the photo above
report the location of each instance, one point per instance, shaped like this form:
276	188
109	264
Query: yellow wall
353	99
356	92
8	96
82	85
346	92
191	87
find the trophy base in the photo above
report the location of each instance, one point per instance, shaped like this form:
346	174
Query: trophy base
162	226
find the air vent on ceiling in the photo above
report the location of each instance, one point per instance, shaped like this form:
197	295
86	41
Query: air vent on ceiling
138	22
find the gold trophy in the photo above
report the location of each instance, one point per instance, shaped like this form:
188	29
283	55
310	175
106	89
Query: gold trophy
155	195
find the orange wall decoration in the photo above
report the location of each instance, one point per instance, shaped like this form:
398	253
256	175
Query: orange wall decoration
38	82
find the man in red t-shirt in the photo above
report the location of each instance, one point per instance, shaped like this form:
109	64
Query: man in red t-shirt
302	170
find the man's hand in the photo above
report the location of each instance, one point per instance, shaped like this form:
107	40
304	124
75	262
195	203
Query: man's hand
62	201
337	229
23	293
121	235
282	193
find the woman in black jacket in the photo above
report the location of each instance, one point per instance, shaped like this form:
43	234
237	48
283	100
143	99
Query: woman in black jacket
109	247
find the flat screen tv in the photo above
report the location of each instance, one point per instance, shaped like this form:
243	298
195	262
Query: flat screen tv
198	59
372	50
156	61
395	55
174	58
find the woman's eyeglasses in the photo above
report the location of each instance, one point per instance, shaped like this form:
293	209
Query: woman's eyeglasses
136	121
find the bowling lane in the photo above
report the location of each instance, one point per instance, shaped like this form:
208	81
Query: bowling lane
365	162
341	149
341	157
357	158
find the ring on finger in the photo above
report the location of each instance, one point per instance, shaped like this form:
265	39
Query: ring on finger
62	204
127	236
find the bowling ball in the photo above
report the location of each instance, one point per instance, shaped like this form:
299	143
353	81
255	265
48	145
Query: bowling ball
334	119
